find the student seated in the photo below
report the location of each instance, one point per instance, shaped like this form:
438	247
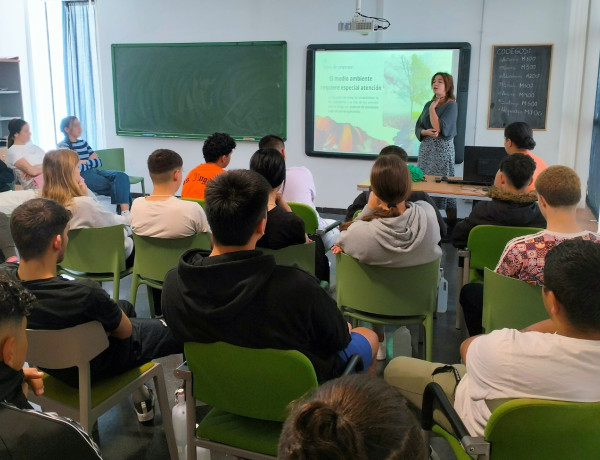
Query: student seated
23	158
518	138
40	228
7	177
7	245
25	433
284	228
559	193
356	417
391	231
236	294
160	214
63	183
361	200
217	150
114	184
511	204
556	359
299	187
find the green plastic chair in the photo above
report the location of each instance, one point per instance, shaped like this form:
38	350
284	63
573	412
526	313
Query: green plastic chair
154	257
296	255
310	218
249	390
97	254
114	159
395	296
197	200
510	303
522	429
485	245
77	346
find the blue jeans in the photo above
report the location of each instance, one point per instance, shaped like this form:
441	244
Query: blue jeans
110	183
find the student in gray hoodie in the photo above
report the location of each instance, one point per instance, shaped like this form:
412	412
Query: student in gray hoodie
391	231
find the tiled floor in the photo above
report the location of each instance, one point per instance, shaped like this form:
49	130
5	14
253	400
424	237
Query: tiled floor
122	437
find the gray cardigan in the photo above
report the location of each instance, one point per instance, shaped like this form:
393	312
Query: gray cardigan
447	114
404	241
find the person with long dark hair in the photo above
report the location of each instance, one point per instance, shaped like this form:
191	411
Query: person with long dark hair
518	138
23	158
436	129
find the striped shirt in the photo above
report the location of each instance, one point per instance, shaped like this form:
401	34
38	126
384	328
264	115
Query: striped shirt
83	149
524	257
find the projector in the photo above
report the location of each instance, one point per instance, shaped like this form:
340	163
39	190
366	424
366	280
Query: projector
358	24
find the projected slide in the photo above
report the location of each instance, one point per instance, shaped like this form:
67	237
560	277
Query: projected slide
365	99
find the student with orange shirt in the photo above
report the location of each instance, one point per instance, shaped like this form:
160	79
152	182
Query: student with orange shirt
217	150
518	138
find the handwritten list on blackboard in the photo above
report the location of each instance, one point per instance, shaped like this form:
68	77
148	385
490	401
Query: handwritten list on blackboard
520	80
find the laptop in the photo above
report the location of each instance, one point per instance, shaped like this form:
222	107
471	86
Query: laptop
480	165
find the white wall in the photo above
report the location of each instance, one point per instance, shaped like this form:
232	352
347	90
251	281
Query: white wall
481	23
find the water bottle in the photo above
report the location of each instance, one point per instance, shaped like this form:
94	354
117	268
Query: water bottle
402	342
179	423
442	304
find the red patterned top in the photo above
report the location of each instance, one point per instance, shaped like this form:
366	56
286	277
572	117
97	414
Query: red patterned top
524	257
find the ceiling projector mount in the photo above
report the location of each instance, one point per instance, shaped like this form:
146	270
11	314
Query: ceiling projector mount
363	24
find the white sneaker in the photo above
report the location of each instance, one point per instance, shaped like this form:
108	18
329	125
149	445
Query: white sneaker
145	409
381	352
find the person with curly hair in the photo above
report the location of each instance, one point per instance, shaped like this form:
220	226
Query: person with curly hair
217	150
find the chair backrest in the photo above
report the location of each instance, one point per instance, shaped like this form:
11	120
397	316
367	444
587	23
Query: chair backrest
307	214
296	255
549	430
63	348
113	159
406	291
200	201
154	257
487	242
95	250
256	383
511	303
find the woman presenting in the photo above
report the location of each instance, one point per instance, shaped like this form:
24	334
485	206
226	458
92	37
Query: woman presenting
436	128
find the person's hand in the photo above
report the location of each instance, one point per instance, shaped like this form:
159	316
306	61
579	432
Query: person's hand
33	379
349	327
82	186
336	249
430	132
280	201
93	156
82	162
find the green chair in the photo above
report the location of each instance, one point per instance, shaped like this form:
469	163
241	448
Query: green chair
97	254
154	257
310	218
197	200
394	296
485	245
114	159
77	346
249	390
510	303
520	429
296	255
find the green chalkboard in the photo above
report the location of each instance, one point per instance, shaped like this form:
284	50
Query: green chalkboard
195	89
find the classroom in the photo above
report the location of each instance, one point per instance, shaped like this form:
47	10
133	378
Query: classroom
36	35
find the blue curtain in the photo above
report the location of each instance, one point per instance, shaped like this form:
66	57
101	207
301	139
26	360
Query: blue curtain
593	189
79	47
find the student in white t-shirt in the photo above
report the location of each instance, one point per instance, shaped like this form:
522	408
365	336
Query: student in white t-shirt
24	158
556	359
160	214
299	187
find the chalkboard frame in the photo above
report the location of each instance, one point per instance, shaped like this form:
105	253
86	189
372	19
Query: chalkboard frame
536	45
237	137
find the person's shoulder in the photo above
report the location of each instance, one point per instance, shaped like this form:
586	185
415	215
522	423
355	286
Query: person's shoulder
9	270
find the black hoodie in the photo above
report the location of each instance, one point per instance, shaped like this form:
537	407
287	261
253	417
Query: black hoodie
505	208
243	298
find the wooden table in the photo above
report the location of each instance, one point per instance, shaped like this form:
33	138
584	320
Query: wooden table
442	189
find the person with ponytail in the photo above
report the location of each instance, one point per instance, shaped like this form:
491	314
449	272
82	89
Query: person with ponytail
23	158
518	138
359	417
114	184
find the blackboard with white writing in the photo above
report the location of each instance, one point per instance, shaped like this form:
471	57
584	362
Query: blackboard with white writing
520	81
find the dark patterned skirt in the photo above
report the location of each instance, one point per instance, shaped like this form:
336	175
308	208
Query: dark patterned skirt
436	157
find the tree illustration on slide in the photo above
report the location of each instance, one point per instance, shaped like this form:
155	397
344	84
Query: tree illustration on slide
409	77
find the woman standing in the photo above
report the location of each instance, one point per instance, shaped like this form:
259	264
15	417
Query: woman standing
436	128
